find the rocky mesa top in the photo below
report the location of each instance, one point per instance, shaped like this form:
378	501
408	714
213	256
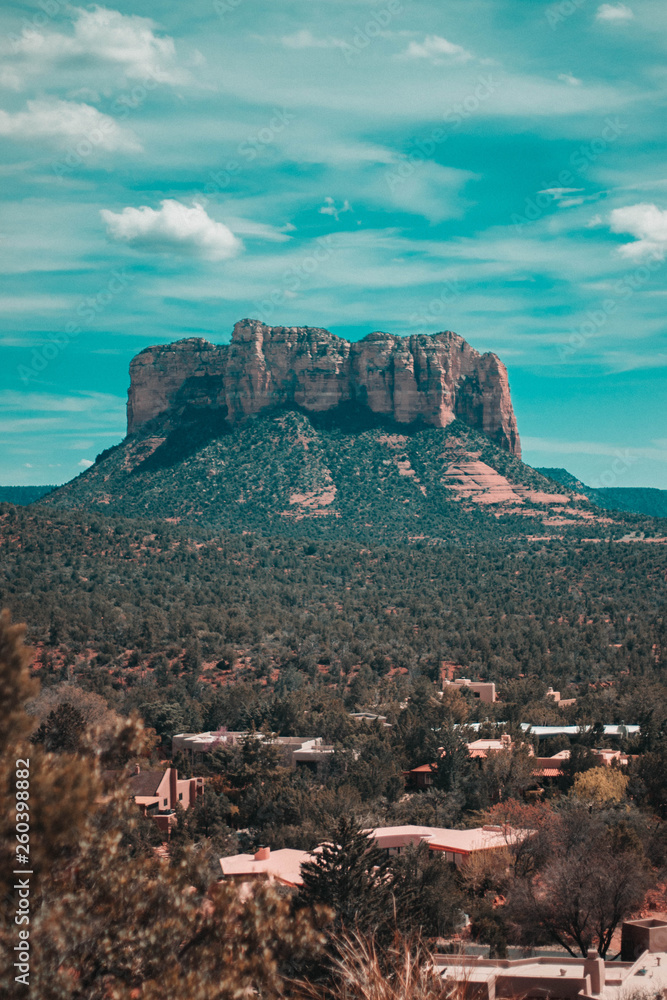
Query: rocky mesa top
431	379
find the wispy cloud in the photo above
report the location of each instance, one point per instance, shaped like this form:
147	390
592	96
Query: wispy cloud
330	208
563	196
557	447
304	39
107	36
60	123
614	12
437	49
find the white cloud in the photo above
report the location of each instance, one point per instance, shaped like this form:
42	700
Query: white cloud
572	81
647	223
305	39
330	208
107	36
173	228
614	12
84	463
435	48
63	122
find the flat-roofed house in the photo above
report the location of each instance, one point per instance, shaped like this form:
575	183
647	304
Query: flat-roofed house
563	978
265	865
456	845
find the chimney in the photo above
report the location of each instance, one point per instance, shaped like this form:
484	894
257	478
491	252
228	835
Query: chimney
594	967
137	769
263	854
173	787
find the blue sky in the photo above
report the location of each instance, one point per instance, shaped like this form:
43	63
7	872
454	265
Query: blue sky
493	168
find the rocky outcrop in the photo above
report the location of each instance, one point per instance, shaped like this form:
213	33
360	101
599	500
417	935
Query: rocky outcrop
428	379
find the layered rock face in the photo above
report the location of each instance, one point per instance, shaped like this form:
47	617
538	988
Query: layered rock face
432	379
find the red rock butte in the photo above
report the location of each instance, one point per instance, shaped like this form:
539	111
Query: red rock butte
421	379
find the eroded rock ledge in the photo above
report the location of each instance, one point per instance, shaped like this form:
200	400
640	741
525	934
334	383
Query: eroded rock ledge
432	379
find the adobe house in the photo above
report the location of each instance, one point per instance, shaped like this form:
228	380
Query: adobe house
422	776
638	936
566	978
265	865
296	751
158	792
456	845
483	691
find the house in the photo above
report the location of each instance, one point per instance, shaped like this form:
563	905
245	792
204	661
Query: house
422	776
615	731
643	973
552	767
456	845
308	751
370	717
158	792
556	698
482	748
265	865
483	691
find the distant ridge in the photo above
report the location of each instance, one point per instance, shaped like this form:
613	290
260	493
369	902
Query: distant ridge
630	499
23	495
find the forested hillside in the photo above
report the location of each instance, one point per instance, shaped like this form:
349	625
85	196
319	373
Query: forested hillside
159	608
334	476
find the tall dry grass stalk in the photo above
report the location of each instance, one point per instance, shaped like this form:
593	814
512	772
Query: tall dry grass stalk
362	971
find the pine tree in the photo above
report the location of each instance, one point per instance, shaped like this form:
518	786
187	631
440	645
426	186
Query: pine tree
354	878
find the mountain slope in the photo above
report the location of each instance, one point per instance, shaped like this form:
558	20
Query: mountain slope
291	473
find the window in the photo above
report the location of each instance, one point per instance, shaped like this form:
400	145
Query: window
165	802
180	796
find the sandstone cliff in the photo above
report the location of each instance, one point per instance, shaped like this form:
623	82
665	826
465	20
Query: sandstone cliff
429	379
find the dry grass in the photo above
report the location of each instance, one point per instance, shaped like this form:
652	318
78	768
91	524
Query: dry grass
362	971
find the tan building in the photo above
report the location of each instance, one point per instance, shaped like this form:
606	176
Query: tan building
566	978
265	865
484	691
456	845
158	792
